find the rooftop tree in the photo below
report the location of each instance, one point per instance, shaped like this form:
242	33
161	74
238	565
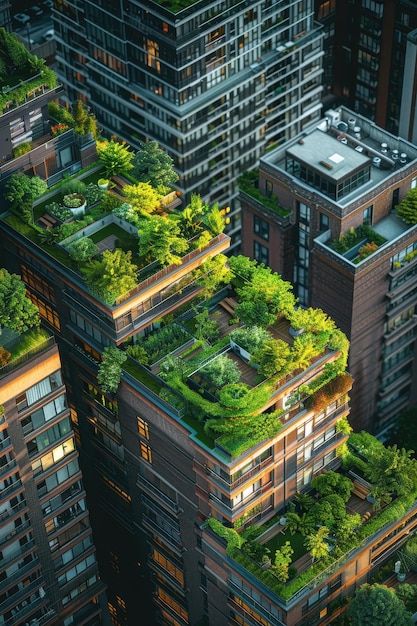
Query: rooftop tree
153	165
143	197
112	276
377	605
115	157
407	209
22	191
16	310
110	370
161	239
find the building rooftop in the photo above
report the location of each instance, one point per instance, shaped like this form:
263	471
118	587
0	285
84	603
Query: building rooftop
341	145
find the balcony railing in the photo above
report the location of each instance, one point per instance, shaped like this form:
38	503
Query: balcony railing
27	356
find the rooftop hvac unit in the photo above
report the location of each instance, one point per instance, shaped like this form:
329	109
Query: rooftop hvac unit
333	117
403	158
376	161
384	148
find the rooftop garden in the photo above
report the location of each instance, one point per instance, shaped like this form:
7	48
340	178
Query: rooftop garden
20	334
319	531
248	183
23	74
357	244
140	235
230	377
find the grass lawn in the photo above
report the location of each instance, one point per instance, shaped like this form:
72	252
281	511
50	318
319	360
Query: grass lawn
297	544
141	375
30	340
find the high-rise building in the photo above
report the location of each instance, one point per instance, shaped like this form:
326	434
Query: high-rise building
48	568
176	425
322	199
370	70
215	84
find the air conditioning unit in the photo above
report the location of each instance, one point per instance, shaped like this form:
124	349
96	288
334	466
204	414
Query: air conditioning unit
333	117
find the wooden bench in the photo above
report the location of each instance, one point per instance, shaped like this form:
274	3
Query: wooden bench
227	307
360	490
47	221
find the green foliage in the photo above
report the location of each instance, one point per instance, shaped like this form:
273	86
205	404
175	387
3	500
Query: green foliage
292	522
92	194
249	338
22	148
333	483
242	266
161	239
60	114
23	190
407	209
233	539
24	69
254	313
316	544
268	287
112	276
214	273
153	165
138	352
221	371
58	211
82	249
246	184
163	341
16	310
282	561
84	122
273	357
110	369
234	396
206	326
73	186
312	320
377	605
115	157
410	549
354	236
143	197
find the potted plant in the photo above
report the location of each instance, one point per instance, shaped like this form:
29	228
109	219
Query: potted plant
76	202
103	183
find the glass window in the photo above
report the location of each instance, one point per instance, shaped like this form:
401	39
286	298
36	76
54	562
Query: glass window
261	227
260	253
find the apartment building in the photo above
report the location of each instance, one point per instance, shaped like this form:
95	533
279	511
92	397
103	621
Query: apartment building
370	68
29	139
215	84
48	566
169	448
335	181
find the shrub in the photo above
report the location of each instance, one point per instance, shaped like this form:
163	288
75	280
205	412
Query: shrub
58	211
250	338
72	201
221	371
92	194
22	148
73	186
4	356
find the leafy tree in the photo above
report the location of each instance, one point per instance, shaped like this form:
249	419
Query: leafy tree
332	482
406	592
243	266
214	272
377	605
273	357
110	370
292	522
282	562
206	327
337	505
161	238
153	165
391	471
316	544
143	197
82	249
345	530
221	371
268	287
22	191
112	276
305	501
17	312
214	220
254	313
307	524
115	157
303	351
139	353
407	209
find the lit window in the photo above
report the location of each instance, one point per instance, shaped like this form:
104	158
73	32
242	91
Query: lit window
143	428
145	451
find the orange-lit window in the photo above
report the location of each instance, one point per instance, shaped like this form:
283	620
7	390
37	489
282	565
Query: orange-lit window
143	428
145	451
